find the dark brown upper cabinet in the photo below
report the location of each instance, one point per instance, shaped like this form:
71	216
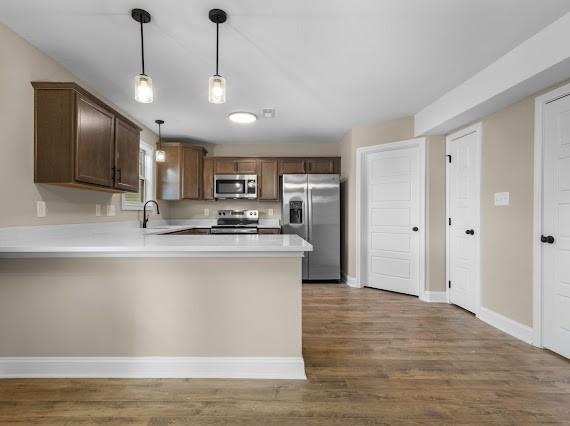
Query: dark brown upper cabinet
82	142
126	164
268	179
208	179
321	165
291	166
229	166
180	176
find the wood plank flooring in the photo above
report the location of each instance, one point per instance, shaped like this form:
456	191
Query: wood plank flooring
372	357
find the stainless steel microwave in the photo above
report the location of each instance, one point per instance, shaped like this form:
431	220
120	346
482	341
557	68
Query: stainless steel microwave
235	186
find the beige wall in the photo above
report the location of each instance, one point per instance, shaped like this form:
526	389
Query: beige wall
21	64
207	307
506	232
390	131
435	213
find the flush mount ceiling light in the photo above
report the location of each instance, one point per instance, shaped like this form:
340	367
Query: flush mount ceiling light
160	155
143	83
242	117
217	83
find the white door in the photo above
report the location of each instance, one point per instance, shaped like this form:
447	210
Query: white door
394	192
463	187
556	225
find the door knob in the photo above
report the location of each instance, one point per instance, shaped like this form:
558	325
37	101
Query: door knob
415	229
549	239
470	232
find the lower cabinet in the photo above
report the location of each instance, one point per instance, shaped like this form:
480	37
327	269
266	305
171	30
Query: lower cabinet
267	231
194	231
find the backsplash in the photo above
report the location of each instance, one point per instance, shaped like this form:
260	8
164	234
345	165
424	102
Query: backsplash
195	209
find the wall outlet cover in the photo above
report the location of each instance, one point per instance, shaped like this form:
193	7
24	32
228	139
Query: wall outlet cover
270	212
97	209
502	198
41	209
111	210
206	212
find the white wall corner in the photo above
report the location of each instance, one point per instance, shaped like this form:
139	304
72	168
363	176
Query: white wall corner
350	281
434	296
539	62
507	325
154	367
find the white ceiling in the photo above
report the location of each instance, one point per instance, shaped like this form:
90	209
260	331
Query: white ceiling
325	65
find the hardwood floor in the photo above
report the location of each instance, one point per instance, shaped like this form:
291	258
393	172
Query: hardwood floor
372	357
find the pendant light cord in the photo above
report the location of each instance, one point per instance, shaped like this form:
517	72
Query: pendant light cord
217	46
142	47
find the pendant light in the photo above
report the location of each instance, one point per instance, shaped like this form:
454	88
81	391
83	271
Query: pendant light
217	83
160	154
143	83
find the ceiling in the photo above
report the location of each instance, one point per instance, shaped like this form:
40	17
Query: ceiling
324	65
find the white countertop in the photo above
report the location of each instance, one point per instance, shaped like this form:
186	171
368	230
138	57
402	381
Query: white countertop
128	240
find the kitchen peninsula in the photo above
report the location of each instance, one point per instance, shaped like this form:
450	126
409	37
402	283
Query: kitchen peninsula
93	301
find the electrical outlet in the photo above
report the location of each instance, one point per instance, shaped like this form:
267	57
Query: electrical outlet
270	212
97	209
41	210
110	210
206	212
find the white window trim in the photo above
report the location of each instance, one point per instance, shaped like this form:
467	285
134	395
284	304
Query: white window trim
150	180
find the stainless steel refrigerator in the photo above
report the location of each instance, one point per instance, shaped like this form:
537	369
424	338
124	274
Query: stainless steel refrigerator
311	209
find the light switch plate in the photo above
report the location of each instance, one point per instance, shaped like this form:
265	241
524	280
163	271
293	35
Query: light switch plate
41	210
110	210
502	198
97	209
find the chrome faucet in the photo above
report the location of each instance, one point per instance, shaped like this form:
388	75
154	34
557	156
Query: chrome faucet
145	218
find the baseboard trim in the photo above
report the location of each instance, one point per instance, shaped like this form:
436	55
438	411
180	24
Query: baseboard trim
349	281
154	367
507	325
434	296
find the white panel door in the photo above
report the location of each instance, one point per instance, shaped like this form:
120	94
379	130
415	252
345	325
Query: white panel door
556	225
463	202
393	210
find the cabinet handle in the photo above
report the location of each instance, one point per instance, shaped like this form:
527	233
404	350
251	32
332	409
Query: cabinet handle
114	173
119	175
470	232
549	239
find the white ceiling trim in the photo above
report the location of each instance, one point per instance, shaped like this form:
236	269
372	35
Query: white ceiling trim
539	62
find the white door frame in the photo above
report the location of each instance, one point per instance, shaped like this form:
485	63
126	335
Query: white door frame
478	130
537	287
361	197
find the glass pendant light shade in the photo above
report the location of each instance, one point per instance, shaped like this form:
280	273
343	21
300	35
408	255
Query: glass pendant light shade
143	89
217	92
160	156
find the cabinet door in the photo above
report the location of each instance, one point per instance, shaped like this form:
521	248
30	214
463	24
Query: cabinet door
291	166
168	174
320	165
208	179
225	166
268	231
94	144
268	180
126	156
191	173
246	166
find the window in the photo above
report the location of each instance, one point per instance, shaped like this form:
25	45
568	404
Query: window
135	201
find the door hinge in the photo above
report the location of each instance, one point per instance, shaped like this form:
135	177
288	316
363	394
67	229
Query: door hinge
449	158
449	221
449	284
